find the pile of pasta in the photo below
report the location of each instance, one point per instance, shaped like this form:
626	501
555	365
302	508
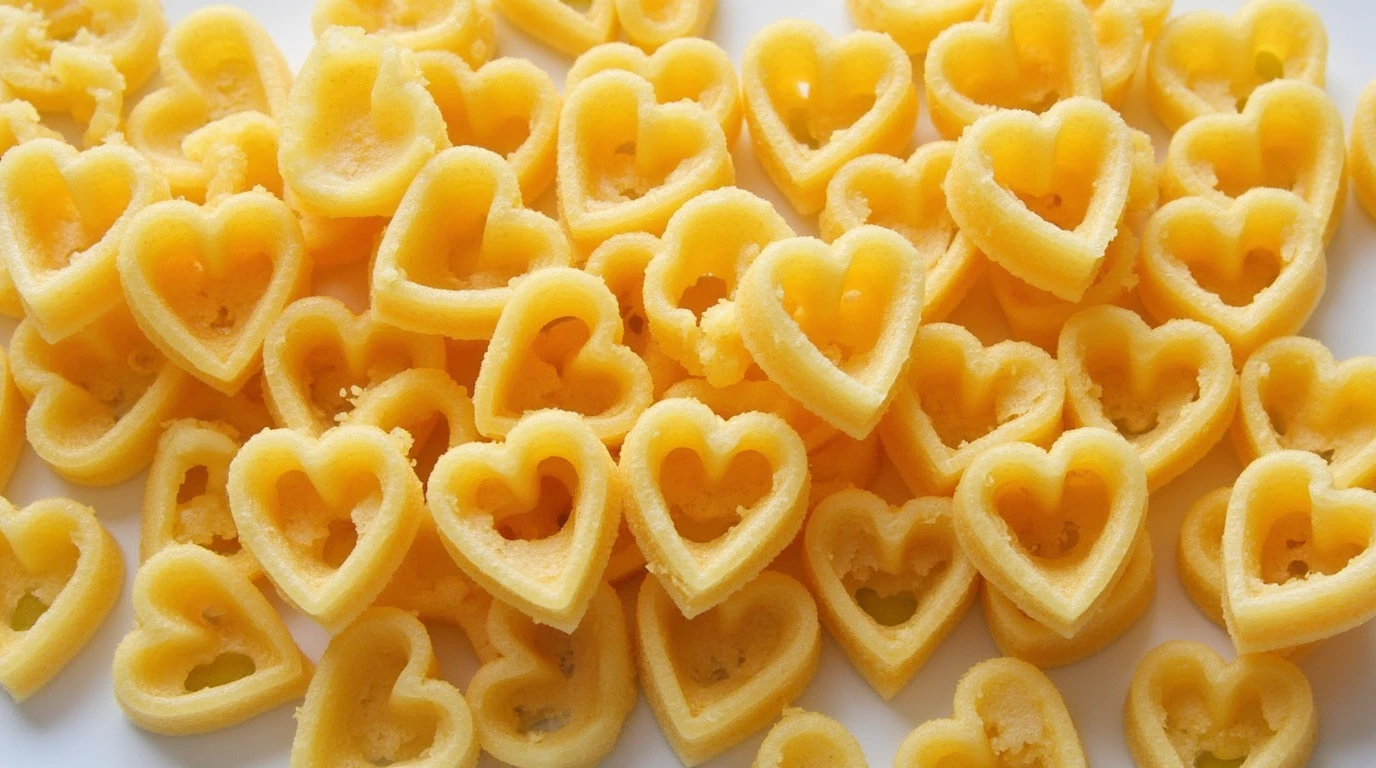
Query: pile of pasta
588	362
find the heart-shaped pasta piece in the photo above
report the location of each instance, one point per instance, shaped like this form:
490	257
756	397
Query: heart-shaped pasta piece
319	359
532	519
692	280
813	103
1007	712
206	284
1289	136
1254	269
891	582
1186	707
653	23
908	197
460	242
207	650
687	69
381	671
558	344
1206	61
715	679
237	154
97	399
63	215
833	324
964	398
329	518
185	500
628	162
425	403
552	699
1296	396
509	106
216	62
358	126
1043	195
711	501
1053	529
62	573
1298	560
1029	55
622	262
1170	390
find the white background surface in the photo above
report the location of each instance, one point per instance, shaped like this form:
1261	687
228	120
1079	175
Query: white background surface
75	722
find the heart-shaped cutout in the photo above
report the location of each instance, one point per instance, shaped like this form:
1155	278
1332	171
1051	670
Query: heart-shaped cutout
908	198
627	162
319	357
711	501
1170	390
329	518
62	219
912	25
238	154
1362	150
1037	316
686	69
891	582
206	285
1254	269
216	62
1289	136
508	106
62	573
358	126
463	26
1187	707
715	679
1007	712
1053	529
1294	546
1029	55
756	395
963	398
429	585
814	103
97	399
653	23
1043	196
692	281
547	696
833	325
460	242
1295	396
185	500
1206	61
377	699
534	518
426	404
12	410
558	345
561	25
622	262
812	739
1018	635
207	650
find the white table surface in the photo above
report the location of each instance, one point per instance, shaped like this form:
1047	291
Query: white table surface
75	722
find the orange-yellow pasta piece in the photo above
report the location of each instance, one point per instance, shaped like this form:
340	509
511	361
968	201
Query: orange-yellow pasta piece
464	27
